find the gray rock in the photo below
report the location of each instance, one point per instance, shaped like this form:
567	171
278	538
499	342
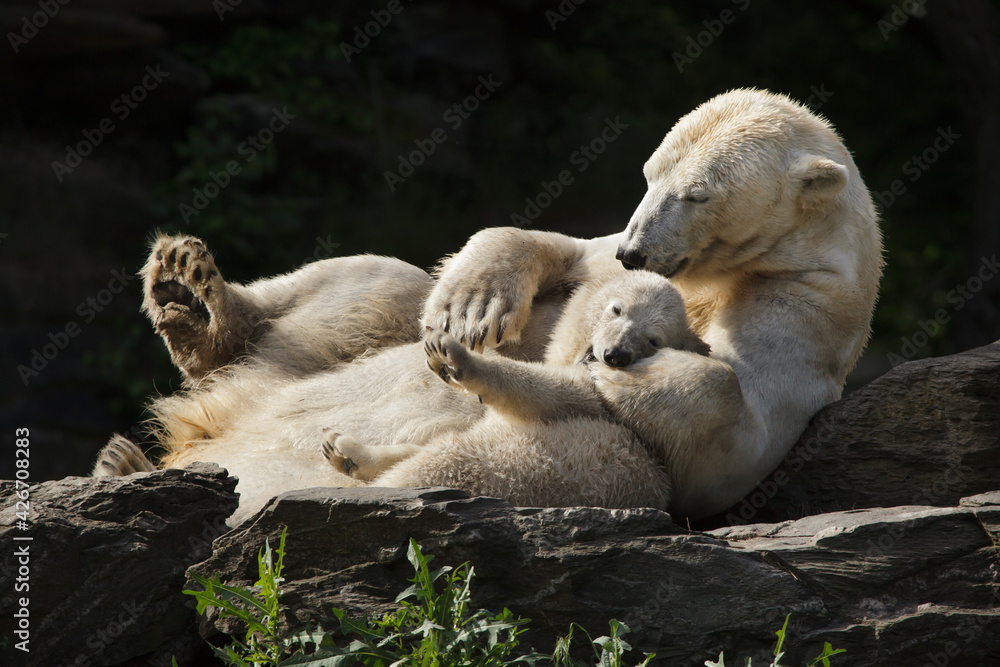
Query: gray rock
893	586
106	561
925	433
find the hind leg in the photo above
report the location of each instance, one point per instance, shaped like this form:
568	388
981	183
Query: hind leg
362	462
204	320
324	313
121	457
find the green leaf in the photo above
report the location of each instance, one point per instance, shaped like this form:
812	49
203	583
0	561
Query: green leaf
329	656
824	657
720	663
781	637
413	590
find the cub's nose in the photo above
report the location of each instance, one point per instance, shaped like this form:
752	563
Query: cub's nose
631	259
617	357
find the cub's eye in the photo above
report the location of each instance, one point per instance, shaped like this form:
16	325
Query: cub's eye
696	197
655	342
616	310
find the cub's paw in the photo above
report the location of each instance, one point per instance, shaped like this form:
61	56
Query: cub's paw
182	281
338	450
121	457
447	358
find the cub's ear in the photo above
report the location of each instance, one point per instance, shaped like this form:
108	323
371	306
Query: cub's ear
697	345
818	178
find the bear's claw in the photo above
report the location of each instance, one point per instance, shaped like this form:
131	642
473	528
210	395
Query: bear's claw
335	456
121	457
183	277
446	357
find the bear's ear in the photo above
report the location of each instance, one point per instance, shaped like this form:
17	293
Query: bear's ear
818	178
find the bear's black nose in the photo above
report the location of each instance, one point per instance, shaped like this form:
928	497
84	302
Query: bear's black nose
617	357
631	259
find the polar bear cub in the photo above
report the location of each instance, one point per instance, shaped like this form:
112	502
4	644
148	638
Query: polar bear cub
618	320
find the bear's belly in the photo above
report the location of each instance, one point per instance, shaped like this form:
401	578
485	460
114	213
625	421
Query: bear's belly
390	398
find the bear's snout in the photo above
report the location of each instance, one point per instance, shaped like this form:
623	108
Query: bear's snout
631	259
617	357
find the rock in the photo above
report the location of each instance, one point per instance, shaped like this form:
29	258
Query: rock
106	561
892	586
925	433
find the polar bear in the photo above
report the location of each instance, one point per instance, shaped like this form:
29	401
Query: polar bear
261	415
619	320
754	209
757	213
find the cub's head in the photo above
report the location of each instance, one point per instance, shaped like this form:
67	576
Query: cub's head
636	314
731	179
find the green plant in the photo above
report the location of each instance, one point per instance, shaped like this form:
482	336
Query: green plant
607	650
258	607
823	658
430	628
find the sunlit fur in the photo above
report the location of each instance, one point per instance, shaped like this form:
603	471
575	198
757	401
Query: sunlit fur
757	211
754	207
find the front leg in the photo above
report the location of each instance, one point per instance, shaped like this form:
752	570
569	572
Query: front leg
520	390
484	293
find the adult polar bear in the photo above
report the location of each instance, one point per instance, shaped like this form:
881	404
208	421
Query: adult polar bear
757	213
755	209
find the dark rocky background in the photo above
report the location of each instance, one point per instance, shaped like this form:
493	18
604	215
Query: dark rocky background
891	76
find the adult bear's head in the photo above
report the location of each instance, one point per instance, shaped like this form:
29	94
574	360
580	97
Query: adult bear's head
735	183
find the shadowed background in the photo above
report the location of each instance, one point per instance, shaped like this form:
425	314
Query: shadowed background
327	98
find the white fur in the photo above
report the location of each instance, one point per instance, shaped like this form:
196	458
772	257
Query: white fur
754	207
757	210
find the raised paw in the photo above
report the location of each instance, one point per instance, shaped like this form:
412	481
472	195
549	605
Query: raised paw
181	276
121	457
446	357
335	455
203	320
